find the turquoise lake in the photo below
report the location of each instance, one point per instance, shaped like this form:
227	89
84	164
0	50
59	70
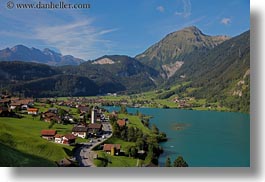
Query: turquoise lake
203	138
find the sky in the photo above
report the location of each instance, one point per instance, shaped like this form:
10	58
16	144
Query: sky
111	27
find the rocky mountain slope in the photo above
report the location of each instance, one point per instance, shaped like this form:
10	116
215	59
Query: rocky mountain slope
169	54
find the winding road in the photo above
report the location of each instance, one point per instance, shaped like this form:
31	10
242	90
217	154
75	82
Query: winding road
85	155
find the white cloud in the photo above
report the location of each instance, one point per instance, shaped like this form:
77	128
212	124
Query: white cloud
79	38
226	21
160	9
186	9
71	32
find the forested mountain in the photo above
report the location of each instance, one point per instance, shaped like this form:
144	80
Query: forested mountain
124	74
117	73
220	75
47	56
59	86
169	54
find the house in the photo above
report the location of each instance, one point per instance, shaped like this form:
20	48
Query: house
82	115
4	112
80	131
58	138
5	102
69	139
33	111
22	104
113	149
48	134
50	116
15	105
53	110
83	109
68	118
94	128
121	123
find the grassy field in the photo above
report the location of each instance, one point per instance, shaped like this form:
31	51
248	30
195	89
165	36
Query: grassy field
14	158
116	161
45	107
134	121
123	143
106	160
22	137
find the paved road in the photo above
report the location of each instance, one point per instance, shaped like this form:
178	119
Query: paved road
84	155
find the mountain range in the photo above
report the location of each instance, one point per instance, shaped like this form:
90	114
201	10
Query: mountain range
47	56
215	68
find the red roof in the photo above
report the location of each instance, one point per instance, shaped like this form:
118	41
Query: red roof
33	109
58	136
95	126
121	123
107	147
48	132
70	136
49	114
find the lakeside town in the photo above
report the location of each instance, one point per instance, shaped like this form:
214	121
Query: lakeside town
92	136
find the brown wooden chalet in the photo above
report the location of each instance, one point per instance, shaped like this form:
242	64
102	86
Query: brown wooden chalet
48	134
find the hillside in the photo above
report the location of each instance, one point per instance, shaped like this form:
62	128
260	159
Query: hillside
14	158
21	144
125	74
25	71
57	86
222	75
169	54
117	73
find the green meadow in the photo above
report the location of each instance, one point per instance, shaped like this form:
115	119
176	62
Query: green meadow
21	139
114	161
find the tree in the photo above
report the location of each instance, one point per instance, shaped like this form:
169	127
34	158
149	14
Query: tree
124	134
41	118
51	124
61	113
138	133
139	143
180	162
168	162
155	130
132	152
131	134
102	161
137	113
146	123
123	109
116	129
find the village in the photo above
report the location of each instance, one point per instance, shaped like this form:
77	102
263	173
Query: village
92	128
90	124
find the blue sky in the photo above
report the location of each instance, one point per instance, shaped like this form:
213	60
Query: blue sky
126	27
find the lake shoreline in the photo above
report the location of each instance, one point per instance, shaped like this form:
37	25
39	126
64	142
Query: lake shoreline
214	131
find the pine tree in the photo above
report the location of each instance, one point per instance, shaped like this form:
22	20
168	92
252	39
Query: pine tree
180	162
168	162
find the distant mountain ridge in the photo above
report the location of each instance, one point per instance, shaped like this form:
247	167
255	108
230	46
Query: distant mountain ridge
47	56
